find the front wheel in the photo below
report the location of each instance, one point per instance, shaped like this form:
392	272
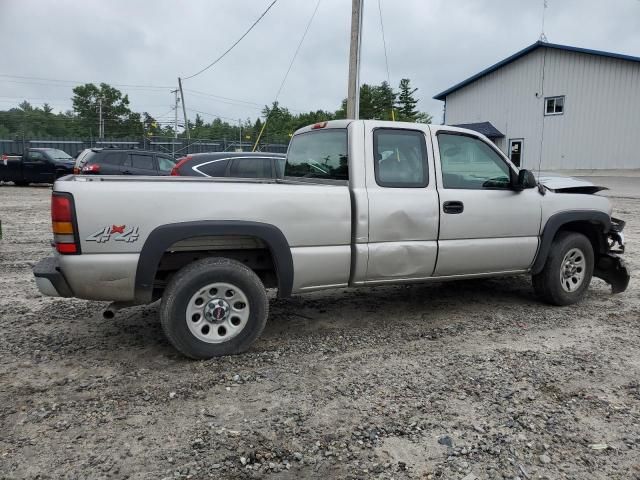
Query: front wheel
568	270
214	307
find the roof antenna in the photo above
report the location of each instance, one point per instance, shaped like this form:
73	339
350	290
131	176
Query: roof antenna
543	37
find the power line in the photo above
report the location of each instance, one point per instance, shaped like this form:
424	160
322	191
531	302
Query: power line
53	80
213	115
293	59
235	100
284	79
384	43
386	59
234	44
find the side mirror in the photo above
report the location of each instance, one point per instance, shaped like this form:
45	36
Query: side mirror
526	179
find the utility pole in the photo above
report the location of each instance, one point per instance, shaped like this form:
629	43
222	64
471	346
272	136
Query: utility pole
353	96
240	125
175	123
184	109
100	120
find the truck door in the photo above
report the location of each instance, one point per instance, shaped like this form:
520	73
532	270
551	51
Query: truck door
485	225
403	204
37	168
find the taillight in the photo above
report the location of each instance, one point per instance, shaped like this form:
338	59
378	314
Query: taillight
318	125
91	168
175	170
65	235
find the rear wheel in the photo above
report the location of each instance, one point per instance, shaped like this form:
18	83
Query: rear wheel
214	307
568	270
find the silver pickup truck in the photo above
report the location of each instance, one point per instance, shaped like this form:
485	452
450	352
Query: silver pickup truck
362	203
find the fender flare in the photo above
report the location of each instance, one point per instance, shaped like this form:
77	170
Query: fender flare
556	221
162	237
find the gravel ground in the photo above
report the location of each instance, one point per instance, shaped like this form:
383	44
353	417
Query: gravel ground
446	381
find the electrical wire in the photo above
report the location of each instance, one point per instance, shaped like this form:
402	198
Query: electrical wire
384	43
76	82
284	79
234	44
235	100
386	59
212	115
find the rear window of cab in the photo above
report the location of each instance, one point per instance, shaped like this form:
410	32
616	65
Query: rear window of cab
319	154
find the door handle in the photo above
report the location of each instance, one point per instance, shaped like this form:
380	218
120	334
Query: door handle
453	206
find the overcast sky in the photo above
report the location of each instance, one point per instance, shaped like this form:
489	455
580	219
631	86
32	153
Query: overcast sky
435	43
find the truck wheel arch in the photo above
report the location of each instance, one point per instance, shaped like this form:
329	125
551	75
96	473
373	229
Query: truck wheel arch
162	237
594	224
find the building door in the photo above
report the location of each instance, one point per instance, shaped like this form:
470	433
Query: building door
515	151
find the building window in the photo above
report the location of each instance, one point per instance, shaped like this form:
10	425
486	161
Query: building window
554	105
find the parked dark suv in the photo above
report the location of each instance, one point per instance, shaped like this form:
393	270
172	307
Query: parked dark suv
231	164
114	161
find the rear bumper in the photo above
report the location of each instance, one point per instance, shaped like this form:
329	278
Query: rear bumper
50	280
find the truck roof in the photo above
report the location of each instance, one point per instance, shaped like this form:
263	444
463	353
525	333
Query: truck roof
327	124
345	123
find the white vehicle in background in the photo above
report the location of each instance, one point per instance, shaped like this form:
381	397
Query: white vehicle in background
362	203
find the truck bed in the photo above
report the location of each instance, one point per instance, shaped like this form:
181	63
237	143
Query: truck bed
316	223
11	168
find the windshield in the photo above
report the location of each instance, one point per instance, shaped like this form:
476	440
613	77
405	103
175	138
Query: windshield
318	154
59	154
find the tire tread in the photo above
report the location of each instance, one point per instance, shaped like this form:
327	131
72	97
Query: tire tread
171	297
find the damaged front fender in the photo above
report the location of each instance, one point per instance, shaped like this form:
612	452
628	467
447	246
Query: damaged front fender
612	269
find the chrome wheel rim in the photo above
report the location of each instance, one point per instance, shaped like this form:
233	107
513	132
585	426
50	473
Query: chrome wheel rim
572	270
217	312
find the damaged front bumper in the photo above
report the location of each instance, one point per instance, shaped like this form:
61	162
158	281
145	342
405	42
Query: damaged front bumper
610	267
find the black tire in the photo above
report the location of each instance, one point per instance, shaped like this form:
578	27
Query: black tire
548	285
195	276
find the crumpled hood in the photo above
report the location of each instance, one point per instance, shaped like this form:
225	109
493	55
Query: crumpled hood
562	184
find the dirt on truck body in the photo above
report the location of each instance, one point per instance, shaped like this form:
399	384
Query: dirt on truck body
475	379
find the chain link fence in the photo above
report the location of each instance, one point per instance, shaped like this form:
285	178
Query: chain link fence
173	146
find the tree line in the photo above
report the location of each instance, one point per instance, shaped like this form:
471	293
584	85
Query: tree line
379	102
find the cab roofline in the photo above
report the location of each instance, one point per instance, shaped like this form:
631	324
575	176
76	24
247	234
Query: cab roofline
325	125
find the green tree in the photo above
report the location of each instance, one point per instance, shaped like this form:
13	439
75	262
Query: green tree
423	117
118	118
406	101
376	102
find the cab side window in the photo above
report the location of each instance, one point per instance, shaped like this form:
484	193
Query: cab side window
469	163
400	158
36	156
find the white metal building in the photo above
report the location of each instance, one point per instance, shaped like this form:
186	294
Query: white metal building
564	107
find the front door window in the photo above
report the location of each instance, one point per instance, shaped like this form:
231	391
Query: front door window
469	163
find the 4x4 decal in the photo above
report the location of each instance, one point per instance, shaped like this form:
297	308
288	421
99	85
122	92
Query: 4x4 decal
119	233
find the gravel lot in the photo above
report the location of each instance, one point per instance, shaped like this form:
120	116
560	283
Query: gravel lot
445	381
